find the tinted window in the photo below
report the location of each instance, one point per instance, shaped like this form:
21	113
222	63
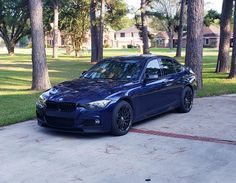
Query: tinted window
178	67
153	68
167	66
116	70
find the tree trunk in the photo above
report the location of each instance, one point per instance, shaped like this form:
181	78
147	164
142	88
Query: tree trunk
76	53
10	48
40	78
171	45
232	73
144	28
171	38
181	28
55	28
101	30
194	46
225	35
94	31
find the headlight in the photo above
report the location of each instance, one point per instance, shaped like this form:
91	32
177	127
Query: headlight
97	104
41	101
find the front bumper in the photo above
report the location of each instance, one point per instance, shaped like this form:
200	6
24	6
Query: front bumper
81	120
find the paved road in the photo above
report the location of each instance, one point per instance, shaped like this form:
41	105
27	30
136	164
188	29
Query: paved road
180	148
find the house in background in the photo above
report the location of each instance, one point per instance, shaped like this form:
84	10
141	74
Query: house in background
211	38
109	39
161	40
128	37
60	41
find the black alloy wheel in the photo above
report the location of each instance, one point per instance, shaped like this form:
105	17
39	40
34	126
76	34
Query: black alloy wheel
186	100
122	118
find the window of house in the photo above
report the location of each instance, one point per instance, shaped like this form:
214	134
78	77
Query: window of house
122	34
207	41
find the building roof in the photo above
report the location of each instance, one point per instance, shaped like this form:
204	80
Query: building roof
134	29
162	34
211	31
129	29
109	29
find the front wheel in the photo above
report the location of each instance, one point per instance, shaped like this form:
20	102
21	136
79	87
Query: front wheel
122	118
186	100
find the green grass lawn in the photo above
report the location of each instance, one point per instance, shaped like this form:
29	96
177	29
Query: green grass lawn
17	101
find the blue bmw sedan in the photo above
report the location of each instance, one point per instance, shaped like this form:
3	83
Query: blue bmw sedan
117	92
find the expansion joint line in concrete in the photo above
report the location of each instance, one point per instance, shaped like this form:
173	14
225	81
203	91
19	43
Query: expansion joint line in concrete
181	136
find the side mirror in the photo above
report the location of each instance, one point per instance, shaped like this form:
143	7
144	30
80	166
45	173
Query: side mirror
151	77
83	73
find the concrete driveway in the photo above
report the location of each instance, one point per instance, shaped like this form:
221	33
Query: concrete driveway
181	148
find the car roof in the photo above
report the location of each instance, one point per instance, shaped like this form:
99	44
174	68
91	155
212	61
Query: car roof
136	57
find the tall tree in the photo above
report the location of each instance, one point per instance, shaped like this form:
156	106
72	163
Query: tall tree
102	11
55	28
94	30
14	24
180	29
232	73
144	29
74	22
101	29
116	15
212	17
166	13
97	7
194	46
40	78
225	35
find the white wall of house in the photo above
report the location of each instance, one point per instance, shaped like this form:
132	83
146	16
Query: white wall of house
123	39
211	42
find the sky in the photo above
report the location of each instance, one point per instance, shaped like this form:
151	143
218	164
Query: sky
210	4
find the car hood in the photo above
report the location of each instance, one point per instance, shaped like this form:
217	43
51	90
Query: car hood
85	90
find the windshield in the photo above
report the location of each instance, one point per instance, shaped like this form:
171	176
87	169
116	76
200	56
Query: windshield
115	70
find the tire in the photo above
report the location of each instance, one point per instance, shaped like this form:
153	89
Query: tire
186	100
122	119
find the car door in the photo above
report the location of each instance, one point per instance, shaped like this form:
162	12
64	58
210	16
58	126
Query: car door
171	81
150	97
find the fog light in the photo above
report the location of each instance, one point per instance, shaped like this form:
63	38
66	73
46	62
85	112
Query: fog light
92	122
97	121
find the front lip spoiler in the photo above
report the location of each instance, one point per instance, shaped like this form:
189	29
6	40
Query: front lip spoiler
72	130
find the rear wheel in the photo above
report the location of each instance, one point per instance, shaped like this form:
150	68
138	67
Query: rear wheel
122	118
186	100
